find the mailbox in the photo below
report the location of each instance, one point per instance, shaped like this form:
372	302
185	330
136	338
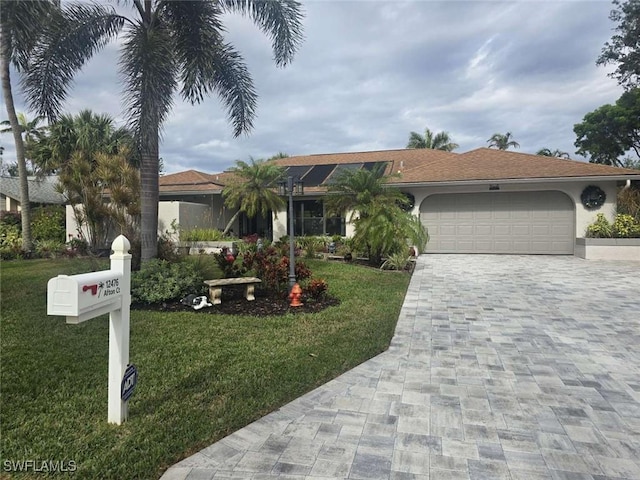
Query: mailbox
85	296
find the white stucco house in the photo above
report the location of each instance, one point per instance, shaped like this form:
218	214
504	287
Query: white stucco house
481	201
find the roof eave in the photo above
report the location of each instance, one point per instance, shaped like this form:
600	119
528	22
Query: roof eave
447	183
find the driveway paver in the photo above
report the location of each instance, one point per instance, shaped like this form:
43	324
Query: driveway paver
501	367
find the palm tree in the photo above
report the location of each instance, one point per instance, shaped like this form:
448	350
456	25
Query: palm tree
381	226
439	141
87	151
21	23
167	46
547	152
250	190
502	141
31	131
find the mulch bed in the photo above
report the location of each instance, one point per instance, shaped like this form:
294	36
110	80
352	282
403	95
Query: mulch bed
234	303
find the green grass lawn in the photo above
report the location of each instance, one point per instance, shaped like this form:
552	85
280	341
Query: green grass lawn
201	376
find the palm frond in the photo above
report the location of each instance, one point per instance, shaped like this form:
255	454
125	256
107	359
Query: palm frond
149	71
281	20
68	42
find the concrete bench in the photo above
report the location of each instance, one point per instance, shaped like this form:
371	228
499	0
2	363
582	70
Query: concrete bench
215	287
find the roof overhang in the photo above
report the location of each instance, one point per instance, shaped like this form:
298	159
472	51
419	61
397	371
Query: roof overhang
451	183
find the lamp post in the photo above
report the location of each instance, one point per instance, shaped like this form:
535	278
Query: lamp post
290	188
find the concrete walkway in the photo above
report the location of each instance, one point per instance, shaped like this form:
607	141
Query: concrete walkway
502	367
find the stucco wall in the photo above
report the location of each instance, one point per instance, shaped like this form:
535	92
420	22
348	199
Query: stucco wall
186	216
573	190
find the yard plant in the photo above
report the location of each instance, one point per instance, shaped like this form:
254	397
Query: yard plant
201	376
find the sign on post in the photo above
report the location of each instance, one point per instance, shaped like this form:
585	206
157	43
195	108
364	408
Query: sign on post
82	297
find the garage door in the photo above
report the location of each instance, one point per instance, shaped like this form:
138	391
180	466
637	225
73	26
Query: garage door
499	222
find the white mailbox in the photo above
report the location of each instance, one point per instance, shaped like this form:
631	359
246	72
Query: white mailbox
85	296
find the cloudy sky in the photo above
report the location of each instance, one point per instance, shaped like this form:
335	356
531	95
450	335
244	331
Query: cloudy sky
370	72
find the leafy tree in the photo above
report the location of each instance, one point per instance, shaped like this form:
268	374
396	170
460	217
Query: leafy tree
547	152
250	190
610	131
502	141
624	47
92	157
167	46
382	227
438	141
21	24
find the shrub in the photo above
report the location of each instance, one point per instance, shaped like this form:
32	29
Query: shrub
162	281
49	248
230	265
78	246
311	245
10	242
48	223
629	202
625	226
201	235
601	228
317	288
397	261
11	218
272	267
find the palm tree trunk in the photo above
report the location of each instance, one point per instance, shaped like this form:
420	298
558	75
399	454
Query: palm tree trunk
149	196
233	219
27	243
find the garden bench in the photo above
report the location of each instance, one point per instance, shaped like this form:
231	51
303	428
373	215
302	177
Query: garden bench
215	287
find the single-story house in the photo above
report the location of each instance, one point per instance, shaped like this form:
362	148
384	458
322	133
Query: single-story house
42	191
481	201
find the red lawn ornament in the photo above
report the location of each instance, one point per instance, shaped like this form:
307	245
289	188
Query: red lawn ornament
295	295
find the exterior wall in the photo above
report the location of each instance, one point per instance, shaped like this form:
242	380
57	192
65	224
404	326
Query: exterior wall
73	230
186	215
624	249
573	190
9	204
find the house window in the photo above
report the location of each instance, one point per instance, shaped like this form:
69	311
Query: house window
310	219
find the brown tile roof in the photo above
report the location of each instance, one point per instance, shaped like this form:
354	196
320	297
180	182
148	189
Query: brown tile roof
190	181
434	166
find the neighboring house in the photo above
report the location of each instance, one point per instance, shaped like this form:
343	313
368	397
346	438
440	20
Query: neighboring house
41	192
482	201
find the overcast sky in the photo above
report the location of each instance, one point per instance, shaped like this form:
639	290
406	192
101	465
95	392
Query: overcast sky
369	72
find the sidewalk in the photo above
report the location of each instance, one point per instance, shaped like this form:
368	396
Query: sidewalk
501	367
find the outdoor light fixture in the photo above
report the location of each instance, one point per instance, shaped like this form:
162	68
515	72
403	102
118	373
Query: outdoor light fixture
291	188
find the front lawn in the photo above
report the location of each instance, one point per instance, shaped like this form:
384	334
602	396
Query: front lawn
201	377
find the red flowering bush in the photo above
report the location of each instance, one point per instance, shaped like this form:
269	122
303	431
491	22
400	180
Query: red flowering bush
272	268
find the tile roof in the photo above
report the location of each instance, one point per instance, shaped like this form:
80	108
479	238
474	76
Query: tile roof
416	166
40	190
191	181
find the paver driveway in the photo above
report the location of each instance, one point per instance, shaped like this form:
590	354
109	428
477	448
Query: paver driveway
502	367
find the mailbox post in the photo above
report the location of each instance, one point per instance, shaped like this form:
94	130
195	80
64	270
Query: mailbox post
119	332
86	296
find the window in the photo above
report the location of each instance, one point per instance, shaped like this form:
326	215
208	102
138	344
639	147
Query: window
310	219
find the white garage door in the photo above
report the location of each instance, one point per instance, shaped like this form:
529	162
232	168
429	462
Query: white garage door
499	222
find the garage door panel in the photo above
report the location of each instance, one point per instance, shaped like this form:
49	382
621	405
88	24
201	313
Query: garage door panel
500	222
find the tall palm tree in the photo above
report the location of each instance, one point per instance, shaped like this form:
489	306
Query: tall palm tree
251	189
167	46
31	131
547	152
21	23
381	226
502	141
439	141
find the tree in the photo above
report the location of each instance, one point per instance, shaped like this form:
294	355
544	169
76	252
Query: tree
382	227
21	24
624	47
502	141
251	189
439	141
547	152
610	131
32	131
92	157
167	46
